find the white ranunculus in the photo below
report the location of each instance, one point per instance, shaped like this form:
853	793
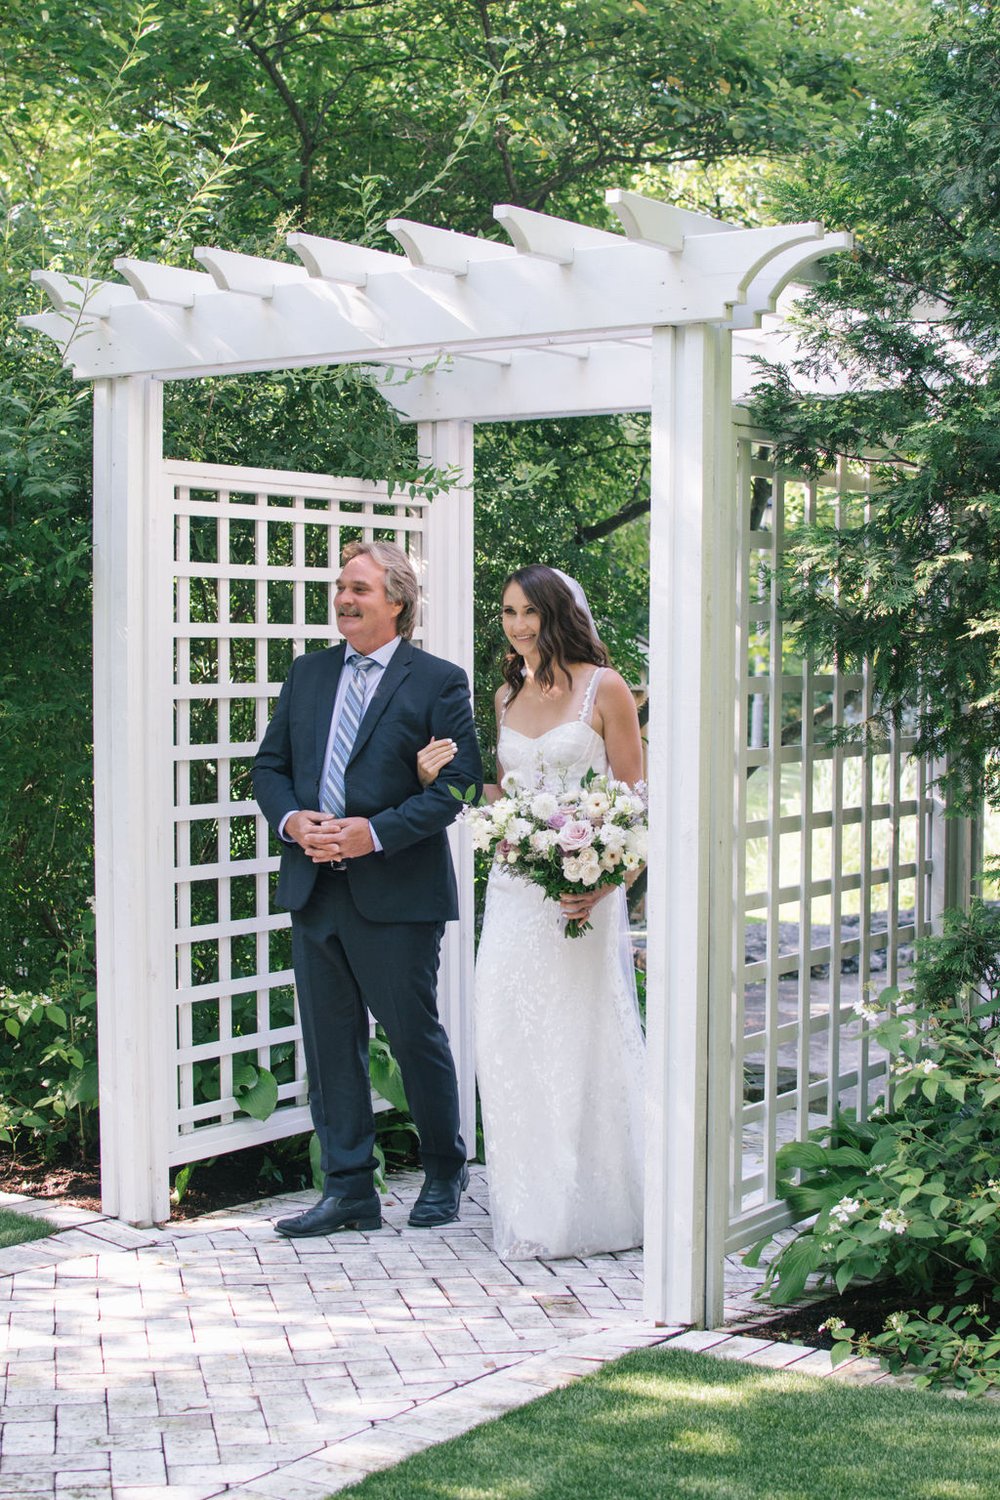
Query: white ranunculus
595	804
611	859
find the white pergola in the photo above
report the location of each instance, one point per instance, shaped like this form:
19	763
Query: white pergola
566	320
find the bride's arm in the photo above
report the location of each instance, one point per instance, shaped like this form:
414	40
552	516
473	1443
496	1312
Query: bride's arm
491	790
619	726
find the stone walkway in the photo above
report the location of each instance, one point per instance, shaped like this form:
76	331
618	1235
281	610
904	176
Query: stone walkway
215	1358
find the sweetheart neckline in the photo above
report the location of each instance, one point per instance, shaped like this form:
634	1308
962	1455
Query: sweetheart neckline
534	737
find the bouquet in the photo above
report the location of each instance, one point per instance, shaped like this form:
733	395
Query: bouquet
591	834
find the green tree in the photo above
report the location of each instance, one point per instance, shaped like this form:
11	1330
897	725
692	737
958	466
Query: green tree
911	326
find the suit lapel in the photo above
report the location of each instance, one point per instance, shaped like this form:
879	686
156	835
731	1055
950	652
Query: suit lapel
395	673
331	667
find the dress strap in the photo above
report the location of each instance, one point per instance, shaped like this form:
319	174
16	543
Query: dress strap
587	706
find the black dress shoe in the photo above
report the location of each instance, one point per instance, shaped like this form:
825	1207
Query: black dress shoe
331	1214
438	1200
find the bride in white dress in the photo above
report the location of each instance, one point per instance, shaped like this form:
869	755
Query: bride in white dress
559	1046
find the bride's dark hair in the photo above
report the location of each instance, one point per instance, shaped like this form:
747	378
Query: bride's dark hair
564	631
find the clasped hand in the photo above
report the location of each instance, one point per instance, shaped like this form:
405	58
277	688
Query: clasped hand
326	839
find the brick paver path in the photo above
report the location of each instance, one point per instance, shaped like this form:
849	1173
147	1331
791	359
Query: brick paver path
215	1358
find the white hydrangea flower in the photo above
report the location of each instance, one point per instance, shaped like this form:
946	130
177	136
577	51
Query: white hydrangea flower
544	806
517	829
544	840
845	1209
894	1221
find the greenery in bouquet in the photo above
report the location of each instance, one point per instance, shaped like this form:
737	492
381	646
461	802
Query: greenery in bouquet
563	836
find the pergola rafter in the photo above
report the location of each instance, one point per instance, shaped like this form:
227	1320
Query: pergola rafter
565	320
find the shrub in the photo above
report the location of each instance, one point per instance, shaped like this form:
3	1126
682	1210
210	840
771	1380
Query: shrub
913	1193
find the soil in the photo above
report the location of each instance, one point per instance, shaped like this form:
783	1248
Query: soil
234	1178
863	1308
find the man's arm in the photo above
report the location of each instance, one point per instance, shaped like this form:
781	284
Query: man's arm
432	808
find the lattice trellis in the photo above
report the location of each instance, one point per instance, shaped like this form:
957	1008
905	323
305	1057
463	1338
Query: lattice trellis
256	556
833	863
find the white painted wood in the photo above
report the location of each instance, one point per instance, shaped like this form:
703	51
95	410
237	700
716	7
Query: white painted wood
650	221
81	295
335	260
132	792
250	274
691	513
448	587
816	1057
442	249
795	264
152	282
615	377
277	316
548	238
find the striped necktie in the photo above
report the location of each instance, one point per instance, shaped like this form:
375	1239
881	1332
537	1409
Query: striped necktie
343	740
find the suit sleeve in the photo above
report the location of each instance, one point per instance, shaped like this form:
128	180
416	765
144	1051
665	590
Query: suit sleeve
432	809
273	784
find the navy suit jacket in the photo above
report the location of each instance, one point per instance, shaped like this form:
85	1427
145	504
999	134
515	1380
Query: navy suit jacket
419	695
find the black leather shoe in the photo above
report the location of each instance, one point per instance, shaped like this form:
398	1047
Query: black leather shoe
438	1200
331	1214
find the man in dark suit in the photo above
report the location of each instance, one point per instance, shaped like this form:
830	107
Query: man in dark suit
367	875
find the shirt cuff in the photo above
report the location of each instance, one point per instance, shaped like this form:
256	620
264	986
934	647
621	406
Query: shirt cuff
281	827
375	838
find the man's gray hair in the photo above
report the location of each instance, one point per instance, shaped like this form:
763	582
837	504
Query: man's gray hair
401	585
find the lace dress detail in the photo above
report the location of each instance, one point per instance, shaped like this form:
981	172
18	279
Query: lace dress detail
559	1046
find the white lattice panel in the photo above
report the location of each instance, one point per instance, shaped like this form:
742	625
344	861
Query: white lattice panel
832	859
256	556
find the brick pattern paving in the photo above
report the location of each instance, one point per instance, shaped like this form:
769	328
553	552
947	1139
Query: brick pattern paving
215	1358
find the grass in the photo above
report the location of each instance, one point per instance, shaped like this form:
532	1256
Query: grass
17	1229
664	1423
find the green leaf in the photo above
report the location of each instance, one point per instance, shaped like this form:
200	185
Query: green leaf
977	1248
387	1080
56	1015
316	1162
84	1087
839	1353
260	1100
844	1276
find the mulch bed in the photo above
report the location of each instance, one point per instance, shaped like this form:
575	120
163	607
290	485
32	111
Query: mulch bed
863	1308
234	1178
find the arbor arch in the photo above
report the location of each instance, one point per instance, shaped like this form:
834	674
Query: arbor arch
565	320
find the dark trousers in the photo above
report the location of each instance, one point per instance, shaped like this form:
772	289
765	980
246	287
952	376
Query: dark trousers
346	966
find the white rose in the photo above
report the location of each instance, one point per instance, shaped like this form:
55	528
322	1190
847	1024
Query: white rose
571	867
590	866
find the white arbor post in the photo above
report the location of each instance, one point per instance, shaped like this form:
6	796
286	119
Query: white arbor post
448	632
133	774
692	573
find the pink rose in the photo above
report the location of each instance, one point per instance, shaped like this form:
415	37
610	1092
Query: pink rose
573	836
557	820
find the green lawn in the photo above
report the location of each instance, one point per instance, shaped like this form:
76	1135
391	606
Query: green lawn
16	1229
668	1423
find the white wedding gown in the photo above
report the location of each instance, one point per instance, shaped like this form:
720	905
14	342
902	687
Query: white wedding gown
559	1047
